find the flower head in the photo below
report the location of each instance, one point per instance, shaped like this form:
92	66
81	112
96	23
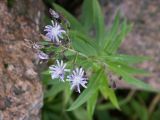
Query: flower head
37	46
42	56
58	71
54	13
77	78
54	32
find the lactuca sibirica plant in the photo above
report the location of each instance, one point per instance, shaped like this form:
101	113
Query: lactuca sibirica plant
56	34
82	61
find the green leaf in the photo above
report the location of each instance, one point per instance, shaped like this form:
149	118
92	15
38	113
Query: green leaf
45	115
140	110
75	24
45	77
85	38
87	14
80	113
98	21
54	90
67	93
82	44
128	69
91	103
112	33
86	63
107	92
129	79
124	58
87	93
124	30
46	72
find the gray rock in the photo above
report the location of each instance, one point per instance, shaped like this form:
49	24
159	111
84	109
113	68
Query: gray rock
21	95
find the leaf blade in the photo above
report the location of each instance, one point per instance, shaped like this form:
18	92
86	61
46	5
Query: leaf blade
91	103
83	43
98	21
108	92
125	58
129	79
87	14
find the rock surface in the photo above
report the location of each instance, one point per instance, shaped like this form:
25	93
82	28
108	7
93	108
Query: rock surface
21	95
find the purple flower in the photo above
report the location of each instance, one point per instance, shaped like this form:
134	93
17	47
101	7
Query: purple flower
77	78
54	32
53	13
42	56
58	71
37	46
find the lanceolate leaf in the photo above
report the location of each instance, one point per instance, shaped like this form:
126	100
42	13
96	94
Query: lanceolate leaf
98	21
54	90
89	92
87	14
107	92
128	69
91	103
112	33
124	58
82	44
67	93
124	30
85	38
118	37
80	113
129	79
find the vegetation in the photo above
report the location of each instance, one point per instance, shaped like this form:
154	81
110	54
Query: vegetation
89	45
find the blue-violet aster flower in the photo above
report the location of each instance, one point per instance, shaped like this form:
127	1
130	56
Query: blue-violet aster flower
37	46
42	56
77	78
54	13
54	32
58	71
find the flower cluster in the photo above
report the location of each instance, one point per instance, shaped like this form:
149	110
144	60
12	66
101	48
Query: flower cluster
76	79
56	35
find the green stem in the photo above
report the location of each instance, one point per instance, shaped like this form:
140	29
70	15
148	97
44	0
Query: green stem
71	50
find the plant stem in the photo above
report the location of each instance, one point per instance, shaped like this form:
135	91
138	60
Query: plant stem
153	104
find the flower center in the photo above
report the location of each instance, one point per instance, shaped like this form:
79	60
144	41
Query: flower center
59	71
77	79
54	30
